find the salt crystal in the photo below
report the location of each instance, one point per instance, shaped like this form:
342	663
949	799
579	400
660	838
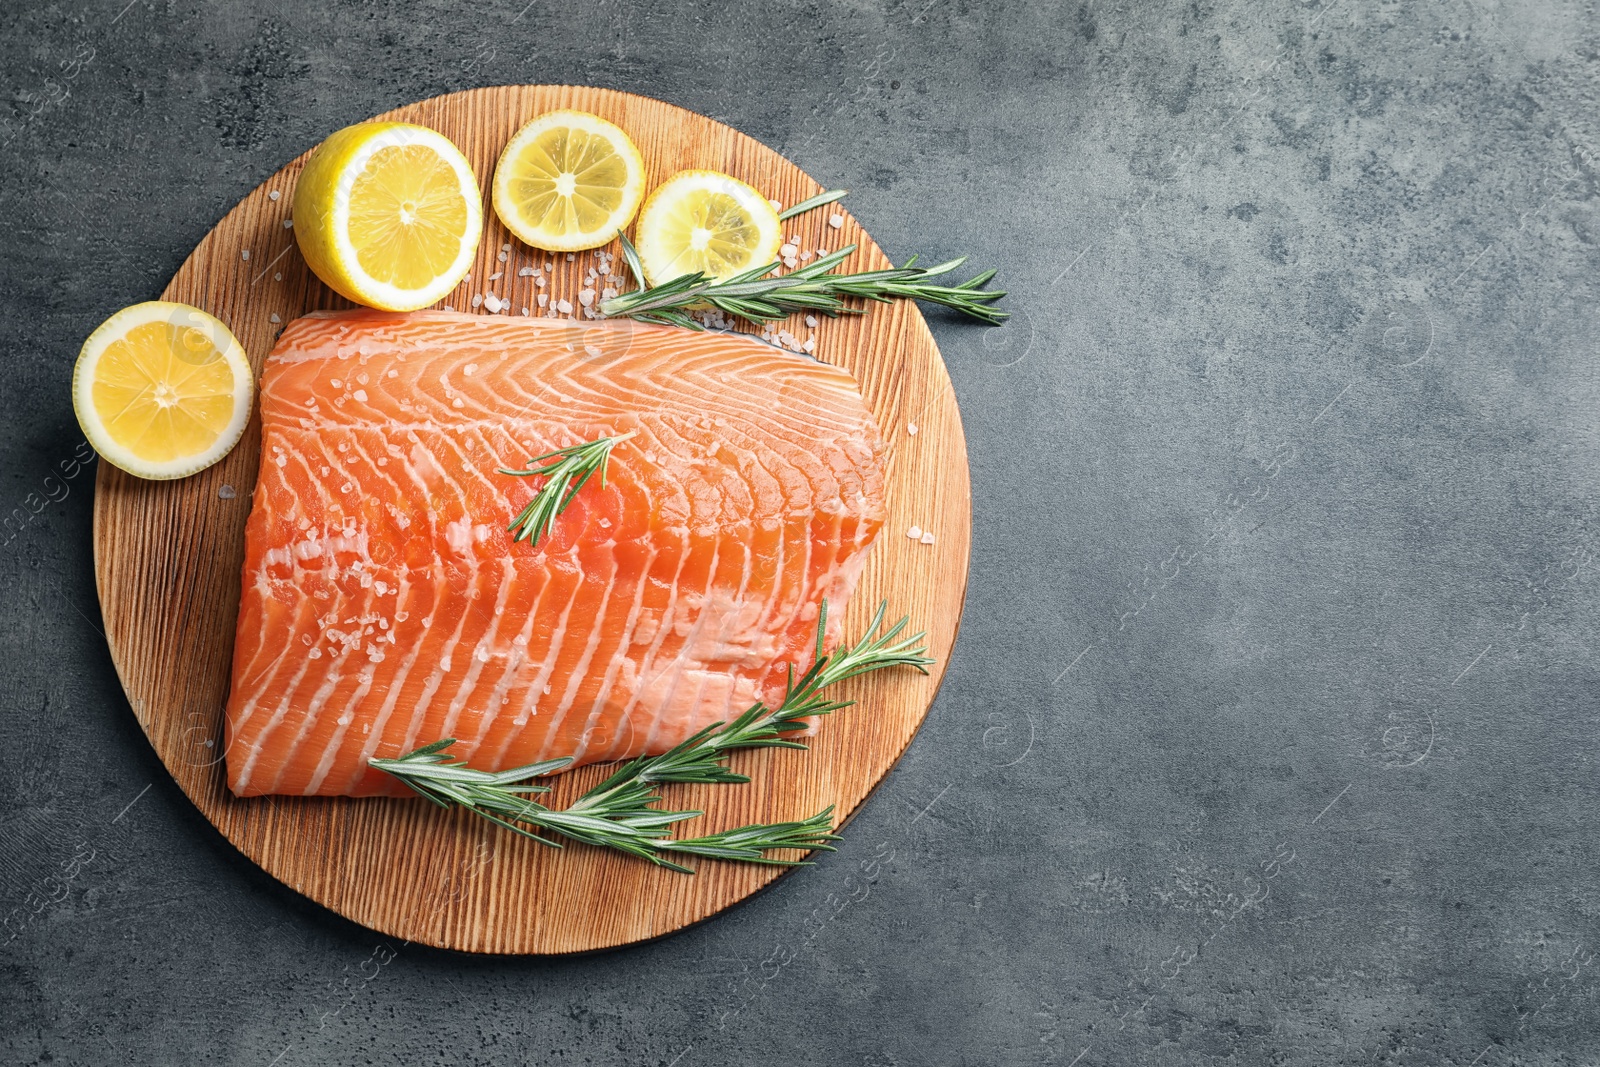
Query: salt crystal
504	256
477	300
549	266
283	461
346	487
226	492
288	224
277	276
911	428
456	403
927	538
810	345
571	257
914	533
524	312
525	272
788	250
244	254
273	317
836	221
539	282
544	299
564	306
496	276
470	369
273	195
586	297
360	395
492	302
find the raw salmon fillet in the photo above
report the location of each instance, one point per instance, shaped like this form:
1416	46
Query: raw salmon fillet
386	606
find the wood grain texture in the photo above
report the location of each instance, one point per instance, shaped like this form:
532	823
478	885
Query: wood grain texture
168	558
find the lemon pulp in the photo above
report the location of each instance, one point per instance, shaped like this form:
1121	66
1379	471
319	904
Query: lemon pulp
407	216
163	392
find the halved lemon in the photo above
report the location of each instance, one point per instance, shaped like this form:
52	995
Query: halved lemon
567	181
699	220
162	390
388	214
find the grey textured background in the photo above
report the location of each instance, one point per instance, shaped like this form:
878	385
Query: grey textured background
1268	737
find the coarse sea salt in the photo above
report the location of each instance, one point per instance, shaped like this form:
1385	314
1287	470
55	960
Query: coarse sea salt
911	428
914	533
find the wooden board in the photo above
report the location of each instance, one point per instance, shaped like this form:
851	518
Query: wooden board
168	558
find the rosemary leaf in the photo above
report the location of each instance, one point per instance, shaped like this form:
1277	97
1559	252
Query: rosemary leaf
815	202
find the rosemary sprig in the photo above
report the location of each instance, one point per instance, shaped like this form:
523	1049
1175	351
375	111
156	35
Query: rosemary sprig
815	202
619	813
755	296
567	472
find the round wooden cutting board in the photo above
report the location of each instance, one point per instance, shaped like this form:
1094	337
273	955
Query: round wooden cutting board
168	558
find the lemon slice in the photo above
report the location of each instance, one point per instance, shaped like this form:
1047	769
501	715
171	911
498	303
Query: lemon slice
388	214
568	181
162	390
700	220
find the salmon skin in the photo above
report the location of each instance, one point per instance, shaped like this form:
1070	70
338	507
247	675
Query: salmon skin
386	605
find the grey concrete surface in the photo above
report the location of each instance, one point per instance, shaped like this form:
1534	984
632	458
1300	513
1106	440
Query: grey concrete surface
1270	738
